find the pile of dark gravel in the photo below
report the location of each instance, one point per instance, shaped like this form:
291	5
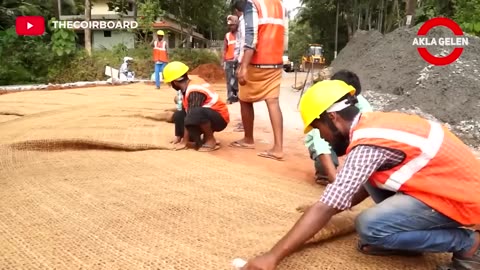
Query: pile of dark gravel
390	65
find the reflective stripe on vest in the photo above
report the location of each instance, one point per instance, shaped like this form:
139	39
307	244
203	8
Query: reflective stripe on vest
429	148
213	99
160	51
160	47
271	31
265	19
438	169
231	43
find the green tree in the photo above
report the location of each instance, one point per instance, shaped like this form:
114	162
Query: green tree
467	14
10	9
148	12
299	36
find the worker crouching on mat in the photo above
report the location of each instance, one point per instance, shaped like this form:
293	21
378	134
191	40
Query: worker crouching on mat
202	114
424	180
326	160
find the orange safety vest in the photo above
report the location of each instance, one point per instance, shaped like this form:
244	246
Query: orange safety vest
271	30
213	100
160	51
231	42
438	169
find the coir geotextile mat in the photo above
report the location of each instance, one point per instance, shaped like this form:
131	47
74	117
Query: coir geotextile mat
87	182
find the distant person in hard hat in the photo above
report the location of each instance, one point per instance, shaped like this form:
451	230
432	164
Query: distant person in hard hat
425	182
229	61
260	72
203	114
160	56
326	160
124	73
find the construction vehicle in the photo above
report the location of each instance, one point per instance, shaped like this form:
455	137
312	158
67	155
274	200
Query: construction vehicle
313	55
287	64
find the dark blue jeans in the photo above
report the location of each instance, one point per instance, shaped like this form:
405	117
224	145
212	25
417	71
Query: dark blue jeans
401	222
232	81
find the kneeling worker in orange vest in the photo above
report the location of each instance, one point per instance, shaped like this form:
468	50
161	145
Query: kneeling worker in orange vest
424	180
203	111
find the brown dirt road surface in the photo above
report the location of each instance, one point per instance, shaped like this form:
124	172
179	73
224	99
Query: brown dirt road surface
87	181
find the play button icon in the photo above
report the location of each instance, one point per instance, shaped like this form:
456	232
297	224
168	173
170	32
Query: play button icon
30	25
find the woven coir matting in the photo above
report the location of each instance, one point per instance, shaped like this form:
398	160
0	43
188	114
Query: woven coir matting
87	182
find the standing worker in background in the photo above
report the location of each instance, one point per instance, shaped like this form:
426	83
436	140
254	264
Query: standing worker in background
229	61
160	56
424	180
260	73
326	160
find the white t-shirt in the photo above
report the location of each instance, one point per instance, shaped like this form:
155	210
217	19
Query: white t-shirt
124	68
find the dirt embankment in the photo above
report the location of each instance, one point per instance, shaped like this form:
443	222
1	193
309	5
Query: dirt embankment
212	73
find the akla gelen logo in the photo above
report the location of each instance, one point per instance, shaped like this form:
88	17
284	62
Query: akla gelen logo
458	42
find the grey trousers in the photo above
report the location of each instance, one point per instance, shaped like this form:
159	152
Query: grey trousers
232	81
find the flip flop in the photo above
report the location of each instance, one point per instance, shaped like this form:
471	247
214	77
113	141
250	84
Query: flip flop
208	148
217	142
267	154
378	251
238	144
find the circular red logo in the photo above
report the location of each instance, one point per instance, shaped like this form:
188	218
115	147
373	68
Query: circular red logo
426	55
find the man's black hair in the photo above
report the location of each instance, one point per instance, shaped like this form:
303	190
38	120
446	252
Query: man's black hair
348	113
239	5
350	78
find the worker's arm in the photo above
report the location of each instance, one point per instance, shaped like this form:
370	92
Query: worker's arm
225	46
328	166
251	32
195	99
360	164
319	148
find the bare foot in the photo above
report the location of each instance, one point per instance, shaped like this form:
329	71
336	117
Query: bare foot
270	154
176	140
243	144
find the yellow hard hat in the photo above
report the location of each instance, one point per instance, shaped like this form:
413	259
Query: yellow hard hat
174	70
319	98
160	33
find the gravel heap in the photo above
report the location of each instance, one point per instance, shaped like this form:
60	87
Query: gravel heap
396	78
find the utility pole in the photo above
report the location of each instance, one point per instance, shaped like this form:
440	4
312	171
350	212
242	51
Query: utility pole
336	31
87	31
411	6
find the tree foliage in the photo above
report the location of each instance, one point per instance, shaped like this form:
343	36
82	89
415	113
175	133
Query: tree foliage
317	18
63	41
300	35
467	13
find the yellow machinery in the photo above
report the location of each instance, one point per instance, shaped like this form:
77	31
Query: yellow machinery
314	55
